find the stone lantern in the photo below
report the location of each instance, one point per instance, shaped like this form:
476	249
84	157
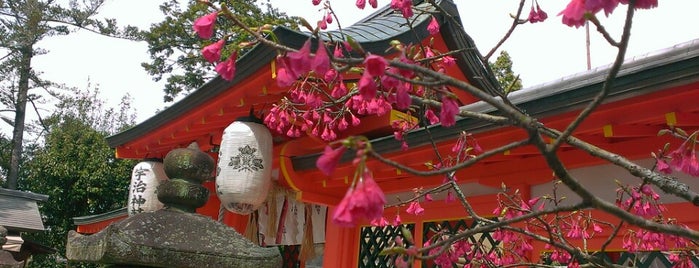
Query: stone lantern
174	236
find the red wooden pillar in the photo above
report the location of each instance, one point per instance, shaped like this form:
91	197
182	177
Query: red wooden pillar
419	240
341	245
237	221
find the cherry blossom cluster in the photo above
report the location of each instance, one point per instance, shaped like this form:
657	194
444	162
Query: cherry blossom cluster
364	199
454	251
644	201
204	27
576	11
321	103
683	159
563	228
536	14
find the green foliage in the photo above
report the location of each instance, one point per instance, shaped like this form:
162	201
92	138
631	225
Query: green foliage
4	158
23	24
174	48
502	68
77	169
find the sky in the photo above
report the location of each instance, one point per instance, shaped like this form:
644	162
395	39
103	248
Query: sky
541	52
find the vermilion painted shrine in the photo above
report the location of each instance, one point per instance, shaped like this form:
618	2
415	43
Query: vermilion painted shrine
652	92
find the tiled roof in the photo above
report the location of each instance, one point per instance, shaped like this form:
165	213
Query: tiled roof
374	33
19	211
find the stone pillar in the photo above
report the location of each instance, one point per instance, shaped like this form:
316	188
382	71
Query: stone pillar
187	169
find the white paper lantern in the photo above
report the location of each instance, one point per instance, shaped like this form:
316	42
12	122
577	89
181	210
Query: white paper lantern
244	172
145	178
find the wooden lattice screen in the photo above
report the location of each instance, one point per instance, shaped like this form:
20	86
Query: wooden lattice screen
290	256
373	240
452	227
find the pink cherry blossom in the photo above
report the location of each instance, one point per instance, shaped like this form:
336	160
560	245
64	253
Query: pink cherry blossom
337	52
431	117
300	61
663	167
330	158
448	61
447	116
355	120
593	6
212	52
390	81
596	228
429	53
684	159
415	208
321	61
373	3
403	99
691	165
343	216
404	6
573	14
397	221
534	16
328	134
375	65
380	222
433	26
342	124
542	15
400	262
642	4
364	201
204	26
226	69
367	86
316	2
360	4
368	198
450	197
285	75
339	90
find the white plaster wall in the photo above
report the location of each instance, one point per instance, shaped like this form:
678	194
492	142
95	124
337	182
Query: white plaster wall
601	181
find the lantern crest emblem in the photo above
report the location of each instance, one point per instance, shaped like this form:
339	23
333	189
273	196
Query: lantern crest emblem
246	160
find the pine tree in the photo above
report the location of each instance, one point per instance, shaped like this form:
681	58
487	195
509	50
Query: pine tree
502	68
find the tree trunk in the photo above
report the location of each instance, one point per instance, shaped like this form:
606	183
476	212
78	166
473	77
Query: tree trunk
20	113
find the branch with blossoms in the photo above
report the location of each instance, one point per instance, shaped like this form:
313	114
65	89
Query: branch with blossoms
322	103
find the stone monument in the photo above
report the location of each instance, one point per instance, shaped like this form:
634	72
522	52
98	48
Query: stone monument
174	236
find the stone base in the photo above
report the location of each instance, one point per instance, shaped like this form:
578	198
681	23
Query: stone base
7	260
168	238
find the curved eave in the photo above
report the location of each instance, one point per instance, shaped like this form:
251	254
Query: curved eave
110	215
248	64
374	33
